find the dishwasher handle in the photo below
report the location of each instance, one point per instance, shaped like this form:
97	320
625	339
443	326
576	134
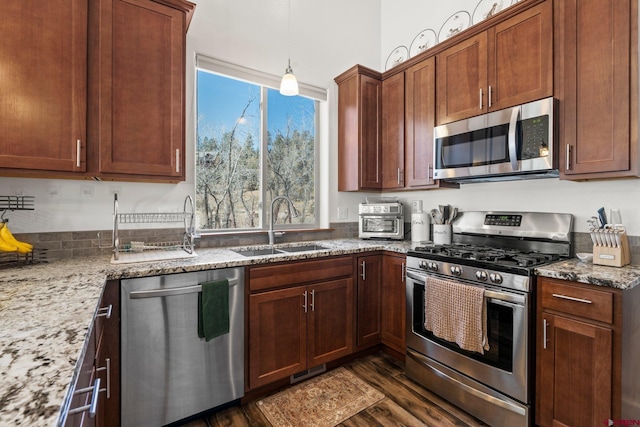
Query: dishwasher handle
158	293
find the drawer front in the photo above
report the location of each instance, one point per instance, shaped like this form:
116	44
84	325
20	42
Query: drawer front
296	273
588	303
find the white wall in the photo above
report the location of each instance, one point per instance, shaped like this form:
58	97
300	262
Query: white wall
326	38
402	21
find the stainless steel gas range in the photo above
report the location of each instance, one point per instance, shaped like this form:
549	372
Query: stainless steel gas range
497	252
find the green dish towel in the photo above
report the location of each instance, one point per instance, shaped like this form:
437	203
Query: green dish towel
213	309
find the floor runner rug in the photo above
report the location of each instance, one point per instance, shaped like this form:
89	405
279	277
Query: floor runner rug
324	401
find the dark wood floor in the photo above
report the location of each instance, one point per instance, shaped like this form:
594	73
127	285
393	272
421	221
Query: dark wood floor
406	403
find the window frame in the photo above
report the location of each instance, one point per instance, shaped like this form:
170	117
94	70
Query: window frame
265	81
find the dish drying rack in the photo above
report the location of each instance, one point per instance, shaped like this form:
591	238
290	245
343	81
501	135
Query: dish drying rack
11	259
137	251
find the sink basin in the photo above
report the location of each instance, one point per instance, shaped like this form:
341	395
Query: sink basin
304	248
258	252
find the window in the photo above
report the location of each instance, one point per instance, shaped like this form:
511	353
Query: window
252	145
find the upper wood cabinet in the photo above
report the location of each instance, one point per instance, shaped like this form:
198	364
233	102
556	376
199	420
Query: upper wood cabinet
137	74
96	89
596	83
43	85
511	63
393	119
359	129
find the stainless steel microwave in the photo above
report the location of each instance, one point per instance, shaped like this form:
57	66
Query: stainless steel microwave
514	143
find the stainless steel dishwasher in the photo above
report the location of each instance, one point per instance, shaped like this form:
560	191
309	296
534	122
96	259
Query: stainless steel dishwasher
167	372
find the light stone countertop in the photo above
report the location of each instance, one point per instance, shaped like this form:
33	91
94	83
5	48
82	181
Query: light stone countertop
47	310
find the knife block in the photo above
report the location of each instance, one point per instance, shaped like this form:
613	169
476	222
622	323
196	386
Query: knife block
614	257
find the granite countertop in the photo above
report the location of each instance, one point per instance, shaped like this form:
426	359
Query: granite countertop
586	272
46	311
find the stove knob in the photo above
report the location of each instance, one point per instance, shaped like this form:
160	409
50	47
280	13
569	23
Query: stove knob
495	278
455	270
481	275
423	264
433	266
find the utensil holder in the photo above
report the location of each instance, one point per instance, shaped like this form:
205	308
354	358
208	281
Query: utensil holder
614	257
442	234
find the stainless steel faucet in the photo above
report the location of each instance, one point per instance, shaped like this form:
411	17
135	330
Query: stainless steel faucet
292	210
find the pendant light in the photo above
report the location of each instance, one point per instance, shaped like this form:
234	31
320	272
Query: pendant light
289	84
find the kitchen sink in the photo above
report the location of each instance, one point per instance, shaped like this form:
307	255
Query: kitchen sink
304	248
258	252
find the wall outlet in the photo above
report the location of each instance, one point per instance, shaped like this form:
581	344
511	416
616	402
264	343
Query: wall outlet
343	213
86	191
54	190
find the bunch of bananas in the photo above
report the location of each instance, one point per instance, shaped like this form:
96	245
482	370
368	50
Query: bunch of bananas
8	243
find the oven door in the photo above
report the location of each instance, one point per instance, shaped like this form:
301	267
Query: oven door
505	366
384	226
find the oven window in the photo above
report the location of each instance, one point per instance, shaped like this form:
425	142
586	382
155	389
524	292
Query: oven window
499	333
379	224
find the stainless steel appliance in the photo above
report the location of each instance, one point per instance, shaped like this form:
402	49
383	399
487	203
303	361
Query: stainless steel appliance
381	218
513	143
497	251
167	372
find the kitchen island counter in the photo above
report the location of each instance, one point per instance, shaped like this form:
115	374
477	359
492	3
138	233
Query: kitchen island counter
47	311
575	270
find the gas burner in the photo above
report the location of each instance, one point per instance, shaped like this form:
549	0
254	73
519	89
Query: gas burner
488	255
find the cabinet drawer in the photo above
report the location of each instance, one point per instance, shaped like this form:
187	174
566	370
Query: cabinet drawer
588	303
297	273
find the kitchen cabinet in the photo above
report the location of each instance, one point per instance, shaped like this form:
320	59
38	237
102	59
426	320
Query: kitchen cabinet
596	83
300	316
99	369
578	362
97	89
394	302
43	52
369	321
393	116
509	64
359	129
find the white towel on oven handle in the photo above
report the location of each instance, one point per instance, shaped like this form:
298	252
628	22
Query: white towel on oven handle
456	312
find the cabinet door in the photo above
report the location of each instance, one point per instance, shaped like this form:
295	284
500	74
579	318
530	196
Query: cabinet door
277	335
461	79
393	132
575	372
138	106
521	61
593	51
330	322
369	326
370	156
420	81
394	297
43	85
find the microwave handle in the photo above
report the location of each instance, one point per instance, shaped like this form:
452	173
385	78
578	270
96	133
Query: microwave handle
513	155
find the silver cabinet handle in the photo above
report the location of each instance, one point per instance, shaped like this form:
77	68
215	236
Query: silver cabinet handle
489	96
403	273
108	369
544	333
481	98
429	171
177	160
78	149
398	176
305	302
93	406
568	158
585	301
313	300
364	270
105	311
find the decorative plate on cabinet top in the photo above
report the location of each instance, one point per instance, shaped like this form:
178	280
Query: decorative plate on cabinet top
423	41
487	8
397	56
456	23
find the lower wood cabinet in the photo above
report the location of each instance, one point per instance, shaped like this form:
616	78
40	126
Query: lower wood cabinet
394	302
578	362
369	325
304	323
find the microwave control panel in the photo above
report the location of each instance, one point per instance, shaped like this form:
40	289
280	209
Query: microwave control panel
535	138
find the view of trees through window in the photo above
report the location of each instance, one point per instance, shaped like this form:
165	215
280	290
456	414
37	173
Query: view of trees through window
253	145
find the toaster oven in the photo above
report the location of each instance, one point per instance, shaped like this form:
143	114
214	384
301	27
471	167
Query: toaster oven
380	219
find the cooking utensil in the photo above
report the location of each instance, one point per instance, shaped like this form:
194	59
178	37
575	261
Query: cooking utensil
453	215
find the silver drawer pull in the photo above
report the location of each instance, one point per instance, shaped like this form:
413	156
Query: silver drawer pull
93	406
105	311
108	369
586	301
